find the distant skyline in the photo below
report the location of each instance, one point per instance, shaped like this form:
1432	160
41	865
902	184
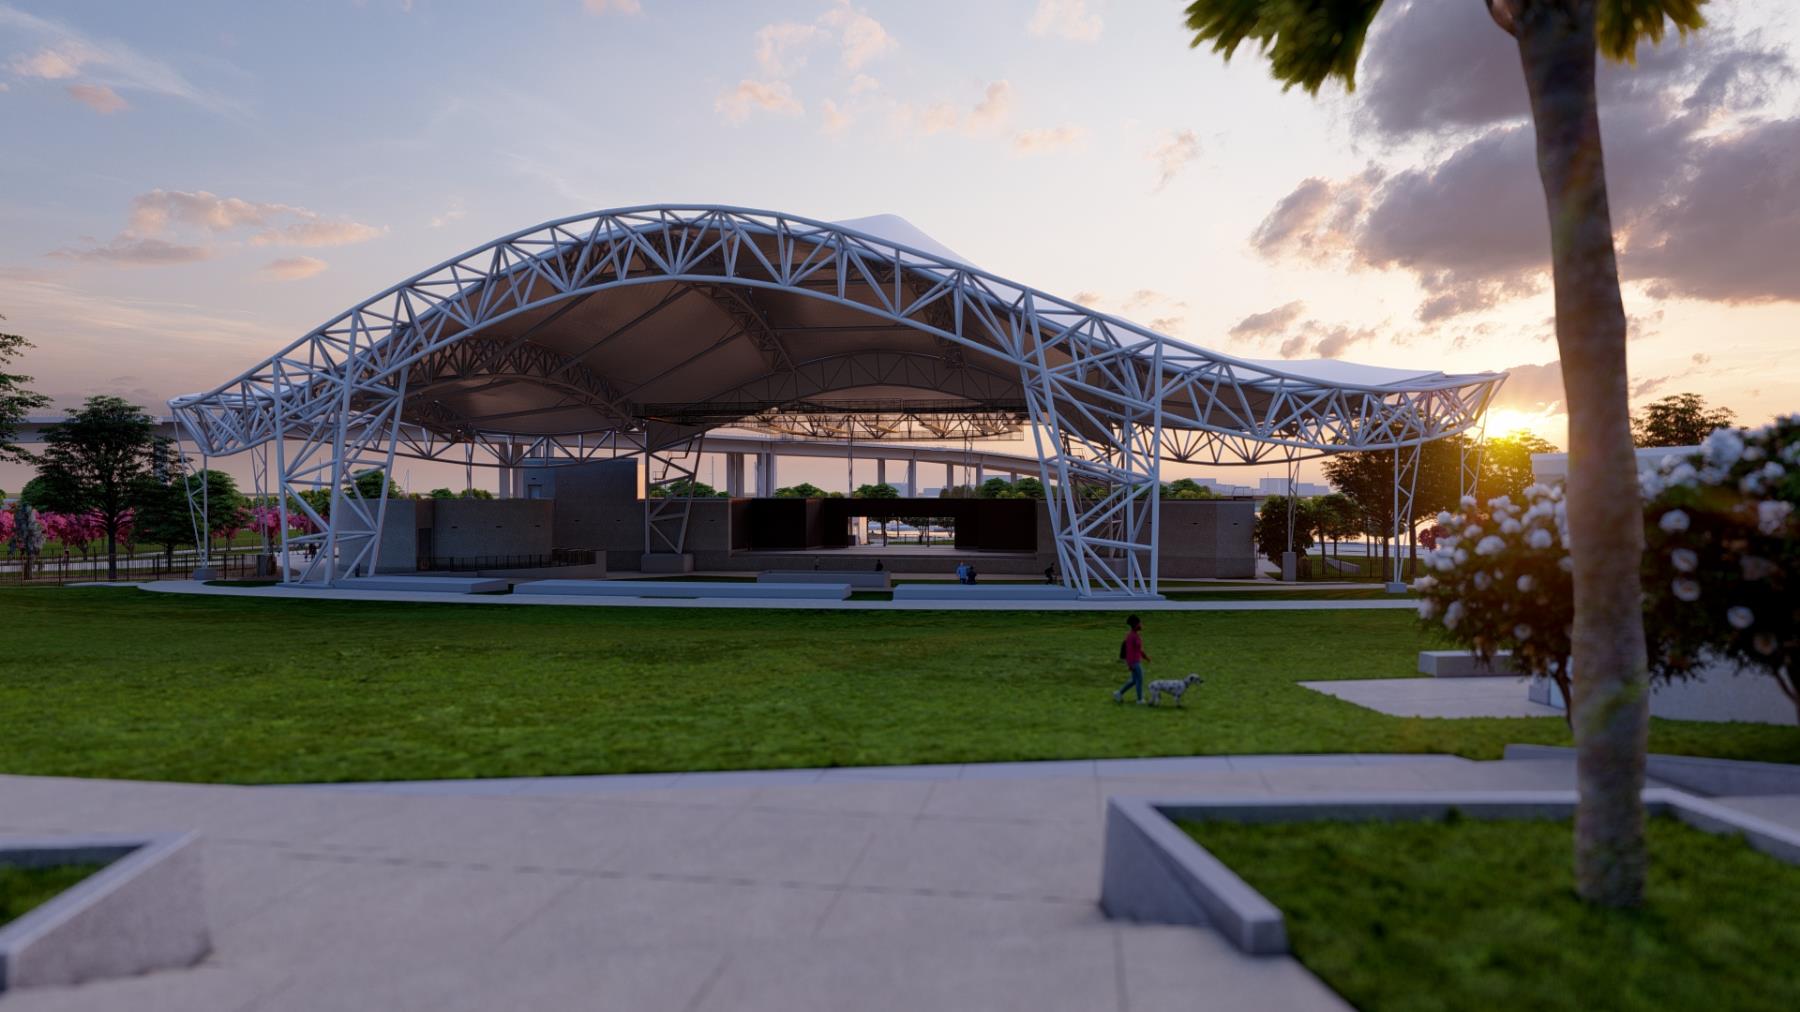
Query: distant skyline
186	187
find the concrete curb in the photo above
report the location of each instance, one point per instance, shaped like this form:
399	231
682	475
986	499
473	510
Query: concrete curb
1153	871
143	911
1698	774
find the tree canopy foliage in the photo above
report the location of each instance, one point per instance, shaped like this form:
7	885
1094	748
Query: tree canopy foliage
1678	420
15	401
105	459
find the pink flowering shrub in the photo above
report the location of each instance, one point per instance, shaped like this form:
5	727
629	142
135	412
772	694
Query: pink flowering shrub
1724	554
1499	580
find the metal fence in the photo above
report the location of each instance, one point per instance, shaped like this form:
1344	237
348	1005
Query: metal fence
134	568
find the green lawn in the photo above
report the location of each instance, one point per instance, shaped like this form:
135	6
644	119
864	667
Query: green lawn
124	683
23	890
1469	914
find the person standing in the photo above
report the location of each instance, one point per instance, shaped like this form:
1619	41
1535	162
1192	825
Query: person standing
1132	653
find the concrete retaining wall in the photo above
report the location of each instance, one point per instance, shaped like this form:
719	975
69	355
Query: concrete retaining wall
144	911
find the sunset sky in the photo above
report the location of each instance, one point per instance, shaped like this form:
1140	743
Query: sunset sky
184	187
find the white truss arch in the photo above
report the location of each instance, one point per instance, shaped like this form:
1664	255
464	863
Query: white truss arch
647	326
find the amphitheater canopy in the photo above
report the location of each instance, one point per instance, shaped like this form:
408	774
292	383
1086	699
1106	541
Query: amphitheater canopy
645	327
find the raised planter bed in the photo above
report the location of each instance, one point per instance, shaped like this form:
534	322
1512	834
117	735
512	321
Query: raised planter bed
141	911
1153	871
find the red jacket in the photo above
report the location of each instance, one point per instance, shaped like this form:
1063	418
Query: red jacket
1134	648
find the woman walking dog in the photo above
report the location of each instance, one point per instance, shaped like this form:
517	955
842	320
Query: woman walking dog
1132	653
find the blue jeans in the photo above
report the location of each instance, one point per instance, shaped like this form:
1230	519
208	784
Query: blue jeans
1137	681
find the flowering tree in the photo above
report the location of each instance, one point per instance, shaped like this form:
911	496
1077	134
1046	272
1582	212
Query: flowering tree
1724	551
1501	579
27	537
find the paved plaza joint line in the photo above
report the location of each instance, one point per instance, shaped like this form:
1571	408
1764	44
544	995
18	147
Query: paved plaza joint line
945	887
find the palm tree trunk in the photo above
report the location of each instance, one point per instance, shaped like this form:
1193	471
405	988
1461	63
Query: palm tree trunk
1610	705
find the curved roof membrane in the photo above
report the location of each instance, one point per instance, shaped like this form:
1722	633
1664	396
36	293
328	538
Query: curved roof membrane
675	319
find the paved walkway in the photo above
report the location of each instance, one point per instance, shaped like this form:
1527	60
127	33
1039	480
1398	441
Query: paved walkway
1498	696
561	600
944	888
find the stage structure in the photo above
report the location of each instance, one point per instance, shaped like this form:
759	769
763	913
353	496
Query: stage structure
635	331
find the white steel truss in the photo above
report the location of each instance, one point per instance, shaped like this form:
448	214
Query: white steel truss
1107	401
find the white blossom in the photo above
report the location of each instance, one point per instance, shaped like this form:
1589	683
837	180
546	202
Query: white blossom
1740	617
1685	589
1674	521
1453	614
1511	526
1424	583
1521	632
1755	567
1723	448
1753	452
1493	544
1684	560
1428	609
1481	581
1771	515
1566	564
1468	502
1444	519
1526	583
1539	539
1444	564
1471	531
1461	557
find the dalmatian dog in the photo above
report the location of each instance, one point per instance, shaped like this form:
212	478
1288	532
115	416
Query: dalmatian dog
1173	686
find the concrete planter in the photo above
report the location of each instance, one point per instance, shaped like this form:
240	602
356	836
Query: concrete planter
1153	871
141	912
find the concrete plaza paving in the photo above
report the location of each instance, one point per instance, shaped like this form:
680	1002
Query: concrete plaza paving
936	887
1495	696
576	600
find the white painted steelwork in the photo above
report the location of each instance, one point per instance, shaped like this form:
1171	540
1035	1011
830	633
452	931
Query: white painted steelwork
644	327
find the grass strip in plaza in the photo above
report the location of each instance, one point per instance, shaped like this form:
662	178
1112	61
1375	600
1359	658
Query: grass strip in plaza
23	890
1466	914
110	682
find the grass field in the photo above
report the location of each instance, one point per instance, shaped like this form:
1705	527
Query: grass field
1480	915
122	683
23	890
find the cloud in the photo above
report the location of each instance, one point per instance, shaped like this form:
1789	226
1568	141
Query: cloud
835	120
64	53
316	233
613	6
1068	19
454	212
158	213
1167	324
1047	139
781	48
749	96
1703	184
136	251
1701	358
861	37
293	268
1645	387
1089	299
1172	154
98	97
986	116
51	64
1269	322
993	109
863	82
1532	388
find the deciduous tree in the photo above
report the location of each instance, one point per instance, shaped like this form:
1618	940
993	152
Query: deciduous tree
1309	42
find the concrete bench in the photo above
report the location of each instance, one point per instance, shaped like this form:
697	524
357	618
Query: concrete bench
424	584
688	589
860	579
1463	664
983	592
